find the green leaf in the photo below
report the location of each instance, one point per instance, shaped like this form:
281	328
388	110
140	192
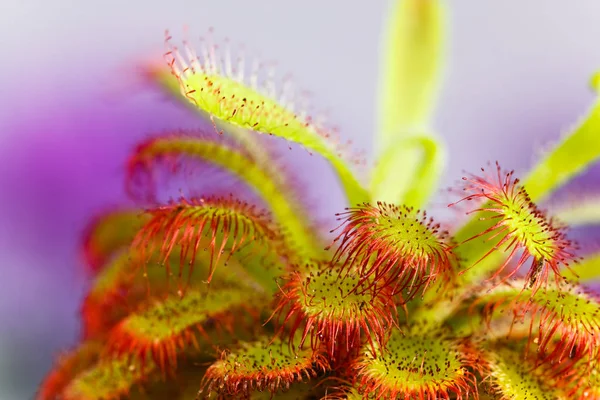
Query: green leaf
572	156
413	54
276	194
408	171
165	80
575	153
227	97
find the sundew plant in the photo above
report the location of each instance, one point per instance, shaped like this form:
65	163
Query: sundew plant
238	292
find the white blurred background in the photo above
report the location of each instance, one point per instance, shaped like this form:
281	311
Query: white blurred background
72	106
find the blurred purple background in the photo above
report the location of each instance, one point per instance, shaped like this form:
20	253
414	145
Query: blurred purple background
72	106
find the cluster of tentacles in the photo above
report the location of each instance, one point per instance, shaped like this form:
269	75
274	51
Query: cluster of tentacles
178	285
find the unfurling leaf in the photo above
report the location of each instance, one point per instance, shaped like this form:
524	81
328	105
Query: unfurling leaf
227	224
408	171
227	96
275	193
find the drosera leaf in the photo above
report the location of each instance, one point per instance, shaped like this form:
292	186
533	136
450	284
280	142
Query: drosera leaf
104	304
107	233
577	151
276	194
508	231
162	76
413	56
512	224
564	320
305	390
66	367
408	171
229	224
263	365
334	307
119	288
572	156
513	378
166	327
109	379
221	89
419	364
397	245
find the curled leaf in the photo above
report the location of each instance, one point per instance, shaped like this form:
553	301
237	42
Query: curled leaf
235	160
408	171
228	224
225	95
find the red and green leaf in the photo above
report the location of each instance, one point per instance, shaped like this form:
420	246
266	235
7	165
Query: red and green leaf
397	245
334	307
419	364
262	365
167	327
563	320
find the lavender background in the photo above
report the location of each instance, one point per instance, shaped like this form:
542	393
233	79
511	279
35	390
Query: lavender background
72	105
